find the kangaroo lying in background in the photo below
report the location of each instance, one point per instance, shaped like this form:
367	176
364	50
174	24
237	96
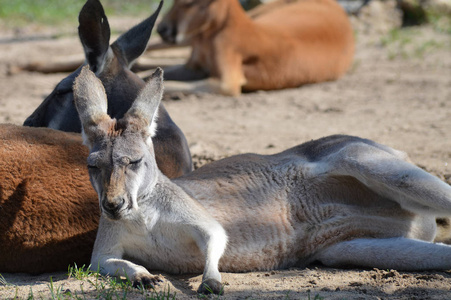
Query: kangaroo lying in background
298	43
112	65
340	200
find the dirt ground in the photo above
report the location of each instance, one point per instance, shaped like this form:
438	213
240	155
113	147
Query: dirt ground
398	93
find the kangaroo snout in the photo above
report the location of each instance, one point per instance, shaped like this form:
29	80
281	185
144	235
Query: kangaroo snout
167	32
111	207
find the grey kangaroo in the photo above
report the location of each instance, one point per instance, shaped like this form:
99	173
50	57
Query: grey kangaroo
339	200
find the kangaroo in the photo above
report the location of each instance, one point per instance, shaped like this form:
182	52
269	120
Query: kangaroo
339	200
112	65
301	42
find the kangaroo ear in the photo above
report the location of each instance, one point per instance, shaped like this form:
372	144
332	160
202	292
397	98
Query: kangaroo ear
94	32
91	103
134	42
142	114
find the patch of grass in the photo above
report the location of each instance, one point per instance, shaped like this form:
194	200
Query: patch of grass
55	292
113	287
396	41
30	295
79	273
429	45
3	280
133	7
409	43
397	35
98	287
54	12
107	287
440	21
163	295
45	11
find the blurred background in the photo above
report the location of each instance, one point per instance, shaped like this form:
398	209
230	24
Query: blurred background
56	12
14	14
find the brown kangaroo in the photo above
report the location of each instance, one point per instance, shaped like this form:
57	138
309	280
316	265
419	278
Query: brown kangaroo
302	42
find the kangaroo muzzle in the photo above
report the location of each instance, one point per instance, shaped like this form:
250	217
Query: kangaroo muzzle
111	207
167	32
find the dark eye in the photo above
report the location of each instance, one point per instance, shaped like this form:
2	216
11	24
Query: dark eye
188	3
135	162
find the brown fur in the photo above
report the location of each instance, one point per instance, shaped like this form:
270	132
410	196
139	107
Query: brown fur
303	42
268	7
49	211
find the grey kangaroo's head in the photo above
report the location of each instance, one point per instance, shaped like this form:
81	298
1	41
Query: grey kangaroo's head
110	63
121	162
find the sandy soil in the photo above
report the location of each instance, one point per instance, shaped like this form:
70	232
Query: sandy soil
397	94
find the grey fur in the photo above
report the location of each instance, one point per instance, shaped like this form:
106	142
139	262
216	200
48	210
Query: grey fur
341	200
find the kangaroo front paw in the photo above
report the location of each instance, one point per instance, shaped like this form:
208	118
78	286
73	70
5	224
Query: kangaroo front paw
211	286
146	280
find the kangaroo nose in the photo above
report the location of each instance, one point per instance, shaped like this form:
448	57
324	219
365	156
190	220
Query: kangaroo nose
161	29
112	207
166	32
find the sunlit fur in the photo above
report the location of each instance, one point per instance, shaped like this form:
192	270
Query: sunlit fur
49	212
341	200
297	43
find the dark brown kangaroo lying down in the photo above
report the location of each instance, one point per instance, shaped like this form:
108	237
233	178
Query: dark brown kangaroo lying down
112	65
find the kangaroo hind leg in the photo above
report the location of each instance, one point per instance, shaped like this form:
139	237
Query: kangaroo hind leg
391	253
387	173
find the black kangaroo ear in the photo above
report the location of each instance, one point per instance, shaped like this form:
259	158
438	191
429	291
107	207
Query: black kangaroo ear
94	32
134	42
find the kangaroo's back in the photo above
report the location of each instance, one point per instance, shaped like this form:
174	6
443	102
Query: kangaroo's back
49	211
308	198
315	43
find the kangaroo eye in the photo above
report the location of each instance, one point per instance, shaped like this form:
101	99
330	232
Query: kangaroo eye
188	3
135	162
92	161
